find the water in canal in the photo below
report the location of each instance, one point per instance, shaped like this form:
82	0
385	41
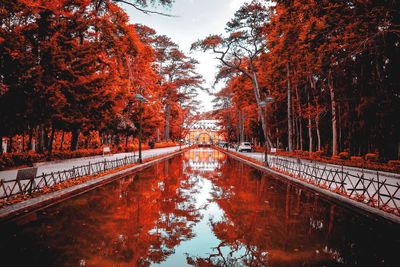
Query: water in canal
199	209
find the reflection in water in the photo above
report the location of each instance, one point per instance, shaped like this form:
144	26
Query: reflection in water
203	160
199	209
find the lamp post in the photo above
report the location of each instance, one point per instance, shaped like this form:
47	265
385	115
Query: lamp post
264	104
141	99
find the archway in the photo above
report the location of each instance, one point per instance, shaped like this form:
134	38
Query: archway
204	138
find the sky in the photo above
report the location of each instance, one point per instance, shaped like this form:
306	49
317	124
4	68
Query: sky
195	20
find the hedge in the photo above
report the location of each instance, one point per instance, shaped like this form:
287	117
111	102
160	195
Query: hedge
12	160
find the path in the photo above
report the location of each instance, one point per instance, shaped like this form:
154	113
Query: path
60	165
387	183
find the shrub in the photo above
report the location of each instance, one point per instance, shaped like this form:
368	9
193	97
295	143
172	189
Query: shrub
135	147
11	160
320	153
356	158
5	161
130	148
371	157
344	155
165	144
301	153
394	162
259	149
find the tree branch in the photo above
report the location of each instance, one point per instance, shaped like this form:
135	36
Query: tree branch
145	11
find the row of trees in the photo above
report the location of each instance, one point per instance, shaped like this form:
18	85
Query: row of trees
73	66
329	66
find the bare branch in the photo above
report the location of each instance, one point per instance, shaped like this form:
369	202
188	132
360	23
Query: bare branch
145	11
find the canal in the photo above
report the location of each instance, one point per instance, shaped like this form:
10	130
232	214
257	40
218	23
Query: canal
199	209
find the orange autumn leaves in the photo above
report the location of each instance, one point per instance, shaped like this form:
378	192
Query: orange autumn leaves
330	67
75	66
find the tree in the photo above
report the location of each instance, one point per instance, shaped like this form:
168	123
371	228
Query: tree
328	62
178	79
64	66
239	50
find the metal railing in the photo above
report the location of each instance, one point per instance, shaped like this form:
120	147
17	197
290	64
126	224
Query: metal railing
370	189
26	186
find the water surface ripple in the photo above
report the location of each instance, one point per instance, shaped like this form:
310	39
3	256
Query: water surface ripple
199	209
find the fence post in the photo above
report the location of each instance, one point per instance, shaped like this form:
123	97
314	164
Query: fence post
379	194
4	188
89	170
19	185
342	182
362	179
32	181
44	178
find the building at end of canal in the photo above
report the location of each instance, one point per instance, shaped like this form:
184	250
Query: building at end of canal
204	133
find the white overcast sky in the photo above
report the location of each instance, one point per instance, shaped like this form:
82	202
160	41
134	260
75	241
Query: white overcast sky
195	19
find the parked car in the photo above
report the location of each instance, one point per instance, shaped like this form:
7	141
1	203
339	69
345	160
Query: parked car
245	147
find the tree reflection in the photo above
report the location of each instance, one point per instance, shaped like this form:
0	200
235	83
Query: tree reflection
270	222
134	221
247	217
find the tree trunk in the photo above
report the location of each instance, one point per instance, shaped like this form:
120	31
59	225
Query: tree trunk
62	140
167	118
260	111
289	110
45	139
50	147
40	139
241	127
126	138
318	131
10	146
300	118
75	139
398	150
277	138
296	131
334	115
23	141
310	137
30	139
340	143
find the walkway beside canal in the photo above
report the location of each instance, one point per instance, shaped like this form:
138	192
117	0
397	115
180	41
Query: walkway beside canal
61	165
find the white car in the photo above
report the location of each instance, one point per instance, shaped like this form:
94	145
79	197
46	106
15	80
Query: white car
245	146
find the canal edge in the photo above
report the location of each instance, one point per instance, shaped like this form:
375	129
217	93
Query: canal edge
25	207
338	198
